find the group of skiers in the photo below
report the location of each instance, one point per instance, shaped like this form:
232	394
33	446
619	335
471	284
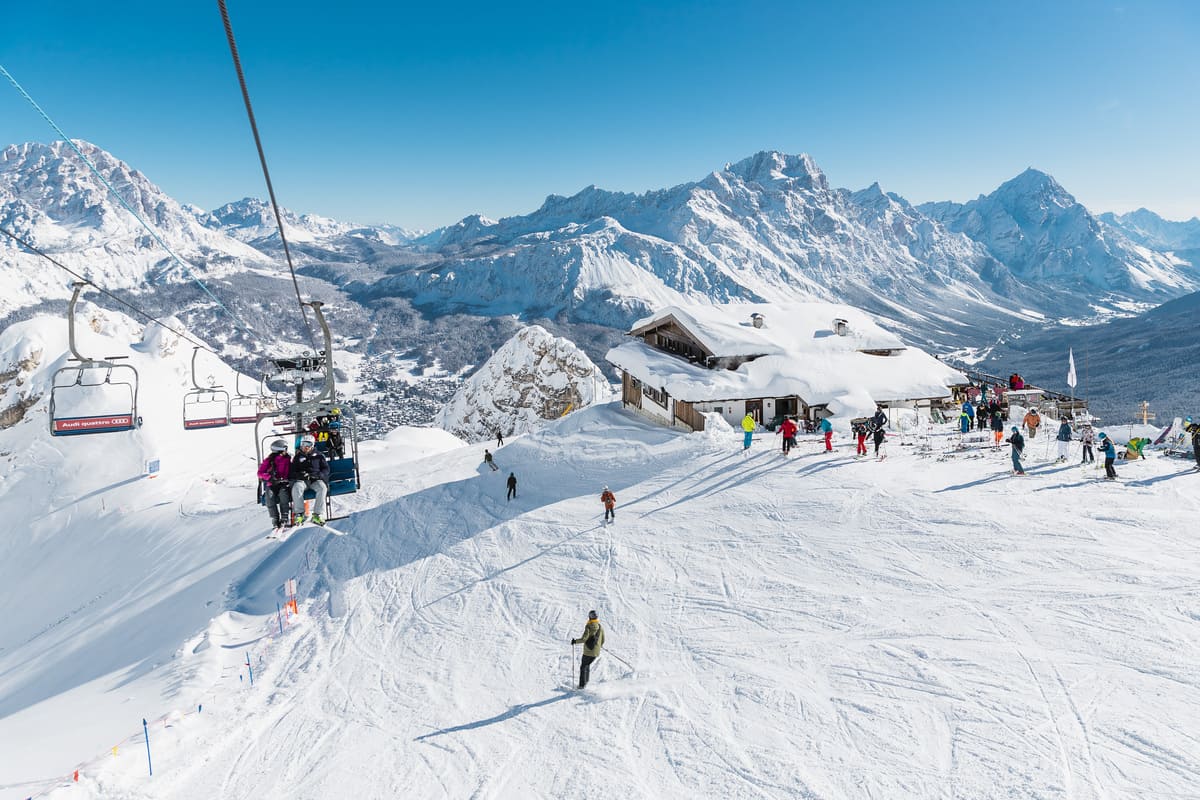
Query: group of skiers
285	478
789	427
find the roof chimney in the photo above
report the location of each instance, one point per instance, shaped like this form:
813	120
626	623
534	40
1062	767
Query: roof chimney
841	327
757	319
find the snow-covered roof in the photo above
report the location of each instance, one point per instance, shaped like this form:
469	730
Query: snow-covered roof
727	329
802	355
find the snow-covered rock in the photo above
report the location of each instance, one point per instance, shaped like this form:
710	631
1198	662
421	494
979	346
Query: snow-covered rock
535	377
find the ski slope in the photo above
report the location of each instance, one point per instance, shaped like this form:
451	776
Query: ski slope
812	626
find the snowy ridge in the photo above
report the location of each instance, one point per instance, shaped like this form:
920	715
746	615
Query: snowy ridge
1043	235
534	378
50	198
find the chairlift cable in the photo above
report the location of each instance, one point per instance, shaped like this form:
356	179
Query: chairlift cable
153	233
262	158
102	290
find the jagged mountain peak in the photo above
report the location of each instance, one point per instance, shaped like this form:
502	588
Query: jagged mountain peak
1033	184
773	167
532	379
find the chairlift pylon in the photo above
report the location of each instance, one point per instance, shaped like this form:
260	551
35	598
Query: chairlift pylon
77	424
204	406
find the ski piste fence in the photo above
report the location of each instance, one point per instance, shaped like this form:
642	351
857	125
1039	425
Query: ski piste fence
128	746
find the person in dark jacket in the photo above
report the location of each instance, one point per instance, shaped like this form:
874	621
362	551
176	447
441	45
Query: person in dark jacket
309	470
273	472
592	640
1064	441
1018	446
997	425
491	462
499	438
512	485
878	423
1194	429
1110	455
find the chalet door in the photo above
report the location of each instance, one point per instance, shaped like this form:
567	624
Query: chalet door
754	409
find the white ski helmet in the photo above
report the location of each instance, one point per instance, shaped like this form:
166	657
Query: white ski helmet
308	440
279	446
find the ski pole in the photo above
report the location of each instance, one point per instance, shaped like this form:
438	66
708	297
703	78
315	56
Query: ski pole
573	681
623	661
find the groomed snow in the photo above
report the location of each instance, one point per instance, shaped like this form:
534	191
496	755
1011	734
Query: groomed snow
811	626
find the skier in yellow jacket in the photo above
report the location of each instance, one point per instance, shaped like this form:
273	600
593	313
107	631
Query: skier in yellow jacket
593	640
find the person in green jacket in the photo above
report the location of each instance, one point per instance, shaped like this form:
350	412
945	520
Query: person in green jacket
593	640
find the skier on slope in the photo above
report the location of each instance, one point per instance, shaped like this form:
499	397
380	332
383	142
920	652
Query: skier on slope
827	429
512	485
1064	440
309	470
273	472
859	428
748	425
787	429
1088	437
998	425
1018	446
878	423
610	502
1032	420
491	462
592	640
1110	455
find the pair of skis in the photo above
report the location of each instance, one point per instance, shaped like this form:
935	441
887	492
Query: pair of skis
284	532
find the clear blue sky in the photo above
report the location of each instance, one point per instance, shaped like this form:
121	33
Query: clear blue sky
418	116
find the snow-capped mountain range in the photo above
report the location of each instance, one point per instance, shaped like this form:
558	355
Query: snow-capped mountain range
1045	237
50	198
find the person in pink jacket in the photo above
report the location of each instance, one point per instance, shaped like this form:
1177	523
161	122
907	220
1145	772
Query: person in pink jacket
273	472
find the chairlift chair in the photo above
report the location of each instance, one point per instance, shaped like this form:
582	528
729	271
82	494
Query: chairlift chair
245	408
124	418
204	406
292	421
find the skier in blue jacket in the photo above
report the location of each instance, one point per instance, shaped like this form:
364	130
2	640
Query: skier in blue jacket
1110	455
827	429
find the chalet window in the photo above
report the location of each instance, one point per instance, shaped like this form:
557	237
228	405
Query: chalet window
656	395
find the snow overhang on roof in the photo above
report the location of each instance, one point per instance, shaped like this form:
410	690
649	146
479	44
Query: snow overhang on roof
728	330
804	356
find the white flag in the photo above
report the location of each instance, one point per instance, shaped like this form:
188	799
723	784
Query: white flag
1071	379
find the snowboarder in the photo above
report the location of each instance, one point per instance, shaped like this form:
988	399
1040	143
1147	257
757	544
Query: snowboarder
1064	441
827	429
512	485
309	470
499	438
788	430
1031	421
1110	455
878	423
273	472
859	428
610	502
1088	437
1018	446
748	425
487	459
997	425
592	640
